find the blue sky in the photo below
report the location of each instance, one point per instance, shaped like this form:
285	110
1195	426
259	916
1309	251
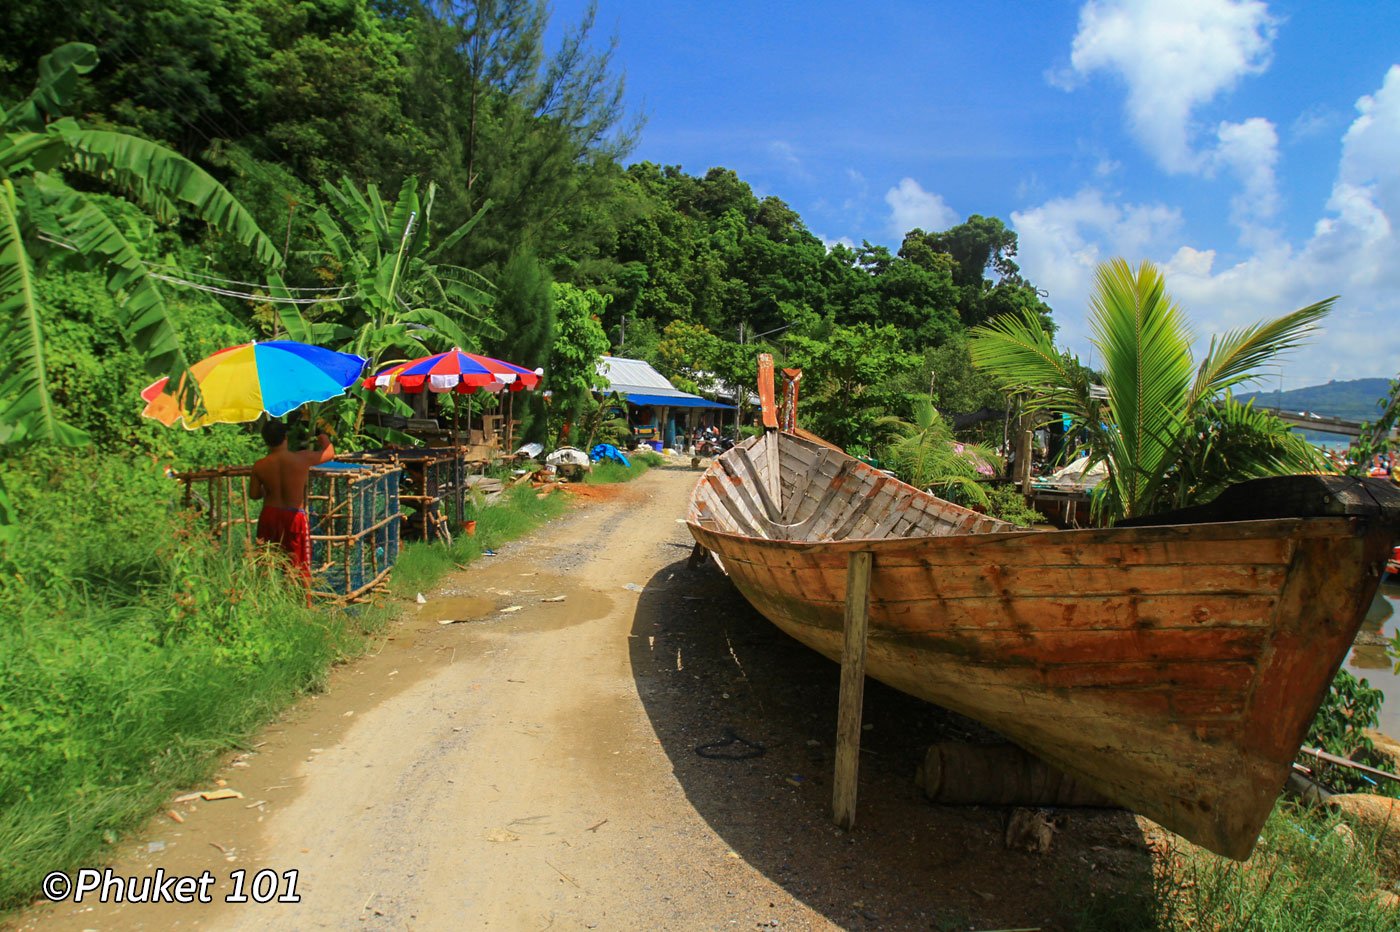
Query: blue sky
1252	149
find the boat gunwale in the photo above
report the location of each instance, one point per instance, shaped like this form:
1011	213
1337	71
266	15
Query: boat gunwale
1320	526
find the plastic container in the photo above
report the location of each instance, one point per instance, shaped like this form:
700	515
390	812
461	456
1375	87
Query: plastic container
657	445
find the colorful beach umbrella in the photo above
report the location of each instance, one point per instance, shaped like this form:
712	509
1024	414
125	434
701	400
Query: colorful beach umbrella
454	371
244	382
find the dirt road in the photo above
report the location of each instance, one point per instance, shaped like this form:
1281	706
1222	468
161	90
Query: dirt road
644	753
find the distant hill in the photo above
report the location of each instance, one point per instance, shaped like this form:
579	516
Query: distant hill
1355	399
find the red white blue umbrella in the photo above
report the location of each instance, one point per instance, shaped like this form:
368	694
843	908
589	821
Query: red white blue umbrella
454	371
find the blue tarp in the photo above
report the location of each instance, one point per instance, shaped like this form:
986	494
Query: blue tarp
676	401
607	451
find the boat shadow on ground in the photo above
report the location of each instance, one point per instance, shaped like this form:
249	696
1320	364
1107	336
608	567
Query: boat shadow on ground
747	717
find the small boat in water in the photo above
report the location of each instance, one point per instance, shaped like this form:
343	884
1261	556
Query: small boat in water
1174	665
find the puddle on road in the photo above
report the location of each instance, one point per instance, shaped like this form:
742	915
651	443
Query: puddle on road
542	602
457	608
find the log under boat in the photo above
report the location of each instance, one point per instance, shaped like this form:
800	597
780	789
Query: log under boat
1174	665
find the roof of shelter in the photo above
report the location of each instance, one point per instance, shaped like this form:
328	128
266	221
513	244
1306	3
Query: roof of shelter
643	385
627	375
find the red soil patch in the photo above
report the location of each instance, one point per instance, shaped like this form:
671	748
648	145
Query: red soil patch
594	493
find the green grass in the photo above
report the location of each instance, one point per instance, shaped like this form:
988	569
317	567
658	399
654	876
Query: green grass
134	652
608	472
1303	876
104	713
519	511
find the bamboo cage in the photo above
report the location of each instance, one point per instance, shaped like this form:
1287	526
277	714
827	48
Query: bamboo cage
353	510
434	487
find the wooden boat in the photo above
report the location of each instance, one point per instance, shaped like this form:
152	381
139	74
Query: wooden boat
1174	665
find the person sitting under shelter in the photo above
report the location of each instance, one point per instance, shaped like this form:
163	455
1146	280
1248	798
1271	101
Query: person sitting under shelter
279	479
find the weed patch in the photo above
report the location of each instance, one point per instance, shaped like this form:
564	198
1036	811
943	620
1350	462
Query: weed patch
1305	874
608	471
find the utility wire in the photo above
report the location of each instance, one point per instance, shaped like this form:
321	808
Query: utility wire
155	267
260	298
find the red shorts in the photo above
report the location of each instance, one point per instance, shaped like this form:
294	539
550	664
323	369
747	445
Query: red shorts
288	528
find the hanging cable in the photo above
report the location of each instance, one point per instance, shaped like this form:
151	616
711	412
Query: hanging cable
154	267
259	298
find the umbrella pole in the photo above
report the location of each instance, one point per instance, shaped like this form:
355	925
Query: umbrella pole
510	422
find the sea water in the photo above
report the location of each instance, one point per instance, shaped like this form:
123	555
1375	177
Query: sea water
1373	663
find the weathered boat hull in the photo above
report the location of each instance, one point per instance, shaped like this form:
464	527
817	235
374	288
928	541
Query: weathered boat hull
1174	668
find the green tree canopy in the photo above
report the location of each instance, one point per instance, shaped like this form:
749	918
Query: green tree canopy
579	343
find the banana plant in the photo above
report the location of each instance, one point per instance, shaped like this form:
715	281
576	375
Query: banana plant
398	300
40	212
406	302
1170	431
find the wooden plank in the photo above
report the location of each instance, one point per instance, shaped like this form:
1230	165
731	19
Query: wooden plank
995	581
765	391
775	479
843	802
759	483
742	489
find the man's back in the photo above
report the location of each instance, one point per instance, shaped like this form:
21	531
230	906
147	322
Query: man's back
279	478
283	476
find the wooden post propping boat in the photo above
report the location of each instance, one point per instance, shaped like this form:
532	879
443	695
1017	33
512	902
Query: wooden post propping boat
1174	665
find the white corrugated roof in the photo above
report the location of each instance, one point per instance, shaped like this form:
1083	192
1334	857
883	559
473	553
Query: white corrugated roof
634	375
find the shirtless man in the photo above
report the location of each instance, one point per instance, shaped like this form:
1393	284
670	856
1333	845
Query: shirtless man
280	480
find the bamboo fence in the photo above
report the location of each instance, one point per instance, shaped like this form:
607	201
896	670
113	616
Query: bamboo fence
353	510
434	486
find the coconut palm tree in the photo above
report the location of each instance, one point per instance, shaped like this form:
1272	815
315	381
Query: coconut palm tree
40	212
924	453
1169	430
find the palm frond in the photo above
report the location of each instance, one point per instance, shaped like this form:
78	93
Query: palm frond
144	316
407	206
1235	357
456	236
1021	356
58	79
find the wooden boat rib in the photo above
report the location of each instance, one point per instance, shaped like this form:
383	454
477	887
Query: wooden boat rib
1176	667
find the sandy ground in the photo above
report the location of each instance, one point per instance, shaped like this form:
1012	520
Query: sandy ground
535	766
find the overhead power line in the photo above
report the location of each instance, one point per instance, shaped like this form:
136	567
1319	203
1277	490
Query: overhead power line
261	298
233	281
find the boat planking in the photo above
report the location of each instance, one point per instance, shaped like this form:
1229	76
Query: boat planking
1175	664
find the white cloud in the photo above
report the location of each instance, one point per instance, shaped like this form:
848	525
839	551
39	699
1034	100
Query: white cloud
1174	57
1249	151
1062	242
785	154
1316	120
1352	252
1105	167
838	241
911	206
